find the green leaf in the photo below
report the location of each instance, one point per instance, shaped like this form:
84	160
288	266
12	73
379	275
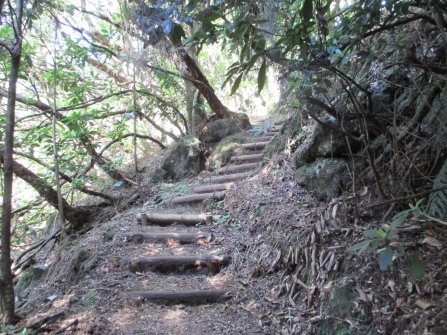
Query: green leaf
385	258
360	247
262	76
375	233
259	45
417	267
236	84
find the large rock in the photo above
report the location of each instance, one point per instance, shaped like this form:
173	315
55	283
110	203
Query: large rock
326	177
28	278
217	130
319	142
222	153
185	159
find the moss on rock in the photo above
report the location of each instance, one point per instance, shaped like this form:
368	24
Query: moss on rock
185	159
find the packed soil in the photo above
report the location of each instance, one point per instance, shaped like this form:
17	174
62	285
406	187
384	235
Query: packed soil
289	265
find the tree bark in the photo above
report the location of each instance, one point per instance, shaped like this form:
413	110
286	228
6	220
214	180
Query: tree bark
75	216
7	297
102	162
204	87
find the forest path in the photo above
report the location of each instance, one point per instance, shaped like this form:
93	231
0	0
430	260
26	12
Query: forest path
180	265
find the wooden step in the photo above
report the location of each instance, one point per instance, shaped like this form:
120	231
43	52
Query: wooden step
247	158
181	238
237	168
212	188
197	197
254	146
181	297
163	219
179	264
272	133
228	178
259	139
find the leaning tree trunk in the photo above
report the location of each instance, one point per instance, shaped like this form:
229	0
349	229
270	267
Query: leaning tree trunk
76	216
205	88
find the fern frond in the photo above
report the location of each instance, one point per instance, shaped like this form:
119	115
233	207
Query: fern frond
437	203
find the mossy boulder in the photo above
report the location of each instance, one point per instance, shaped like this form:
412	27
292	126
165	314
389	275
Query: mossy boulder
28	277
326	177
185	159
227	148
219	129
319	141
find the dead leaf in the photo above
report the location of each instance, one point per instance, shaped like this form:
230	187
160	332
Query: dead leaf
362	295
431	241
424	303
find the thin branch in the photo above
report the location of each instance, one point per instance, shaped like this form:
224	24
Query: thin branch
146	137
65	177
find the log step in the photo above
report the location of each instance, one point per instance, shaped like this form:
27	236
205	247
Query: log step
183	264
228	178
272	133
182	297
182	238
259	139
247	158
212	188
254	146
237	168
197	197
168	219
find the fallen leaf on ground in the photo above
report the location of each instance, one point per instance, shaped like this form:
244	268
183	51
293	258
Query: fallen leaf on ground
431	241
424	303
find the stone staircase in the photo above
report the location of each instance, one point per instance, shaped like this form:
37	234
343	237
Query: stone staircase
183	229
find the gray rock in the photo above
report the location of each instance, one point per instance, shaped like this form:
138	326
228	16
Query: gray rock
225	149
217	130
28	277
185	159
319	142
326	177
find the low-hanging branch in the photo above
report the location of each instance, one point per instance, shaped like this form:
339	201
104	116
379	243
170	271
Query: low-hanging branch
77	216
146	137
66	177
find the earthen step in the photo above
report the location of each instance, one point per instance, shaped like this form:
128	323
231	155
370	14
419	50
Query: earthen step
163	219
228	178
181	297
247	158
197	197
182	238
179	264
237	168
254	146
212	188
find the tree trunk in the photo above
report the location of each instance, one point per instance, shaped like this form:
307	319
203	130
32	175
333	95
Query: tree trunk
204	87
76	216
7	297
102	163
